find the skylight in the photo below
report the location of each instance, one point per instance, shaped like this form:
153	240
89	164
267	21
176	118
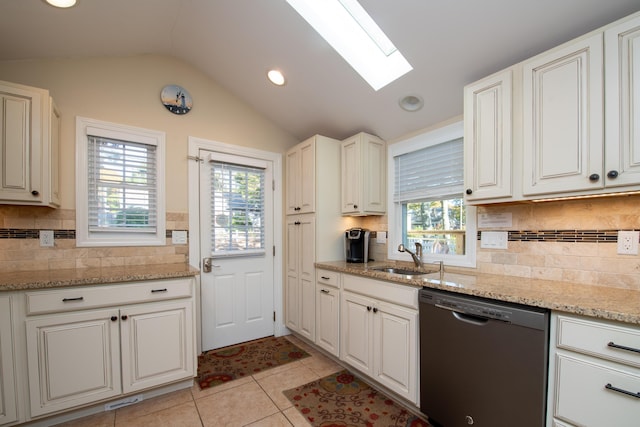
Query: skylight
349	29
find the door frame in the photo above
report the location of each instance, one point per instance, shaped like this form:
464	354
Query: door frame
195	257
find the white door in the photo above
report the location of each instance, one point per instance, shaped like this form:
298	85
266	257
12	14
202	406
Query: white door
236	233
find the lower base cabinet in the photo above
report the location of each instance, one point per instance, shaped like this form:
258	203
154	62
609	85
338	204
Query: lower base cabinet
594	373
379	337
328	311
8	407
87	354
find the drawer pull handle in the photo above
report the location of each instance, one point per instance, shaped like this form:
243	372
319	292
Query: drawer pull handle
324	291
153	291
619	390
623	347
324	277
72	299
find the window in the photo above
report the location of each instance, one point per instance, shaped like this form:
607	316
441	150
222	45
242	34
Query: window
119	185
427	203
237	200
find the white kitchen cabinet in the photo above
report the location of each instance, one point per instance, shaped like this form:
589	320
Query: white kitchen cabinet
300	282
8	404
312	168
379	337
563	119
93	343
594	372
363	161
29	146
622	103
488	137
328	311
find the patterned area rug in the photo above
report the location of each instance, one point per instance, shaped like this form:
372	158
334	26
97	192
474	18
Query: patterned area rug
342	400
217	367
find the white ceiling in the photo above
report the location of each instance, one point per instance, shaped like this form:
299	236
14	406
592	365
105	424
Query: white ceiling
449	43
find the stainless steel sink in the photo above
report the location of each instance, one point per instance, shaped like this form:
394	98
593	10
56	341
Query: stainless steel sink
401	271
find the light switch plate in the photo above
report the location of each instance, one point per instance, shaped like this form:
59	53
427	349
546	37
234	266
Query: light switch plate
179	237
494	239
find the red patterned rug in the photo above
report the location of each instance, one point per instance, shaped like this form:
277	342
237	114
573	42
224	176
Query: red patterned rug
217	367
342	400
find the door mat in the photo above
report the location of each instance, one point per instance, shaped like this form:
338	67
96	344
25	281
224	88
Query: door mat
342	400
217	367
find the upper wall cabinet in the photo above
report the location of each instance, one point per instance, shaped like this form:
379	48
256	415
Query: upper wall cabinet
29	146
622	101
574	122
363	159
301	177
488	138
563	119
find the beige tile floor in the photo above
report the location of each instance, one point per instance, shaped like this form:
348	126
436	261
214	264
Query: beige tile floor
256	401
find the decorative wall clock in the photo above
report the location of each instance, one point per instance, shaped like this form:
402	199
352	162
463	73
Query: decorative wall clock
176	99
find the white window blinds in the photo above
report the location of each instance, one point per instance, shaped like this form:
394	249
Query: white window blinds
122	183
430	173
237	210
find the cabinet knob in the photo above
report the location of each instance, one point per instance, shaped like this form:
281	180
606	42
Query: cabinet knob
114	318
594	177
35	192
469	191
324	291
124	317
612	174
355	206
368	308
375	310
296	223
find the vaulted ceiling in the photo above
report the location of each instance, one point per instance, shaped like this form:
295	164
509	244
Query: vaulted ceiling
448	43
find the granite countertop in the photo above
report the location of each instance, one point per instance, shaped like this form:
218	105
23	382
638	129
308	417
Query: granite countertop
596	301
92	276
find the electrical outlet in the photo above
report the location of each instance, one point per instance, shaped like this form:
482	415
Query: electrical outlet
628	242
46	238
494	239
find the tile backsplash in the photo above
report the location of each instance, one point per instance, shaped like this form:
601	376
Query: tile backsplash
571	241
20	248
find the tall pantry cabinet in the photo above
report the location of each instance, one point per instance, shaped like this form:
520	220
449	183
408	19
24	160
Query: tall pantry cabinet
314	225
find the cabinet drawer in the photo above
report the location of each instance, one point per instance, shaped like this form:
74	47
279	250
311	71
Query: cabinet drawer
329	278
583	399
81	298
386	291
605	340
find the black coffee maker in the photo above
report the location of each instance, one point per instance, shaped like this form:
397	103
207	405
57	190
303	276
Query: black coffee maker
356	244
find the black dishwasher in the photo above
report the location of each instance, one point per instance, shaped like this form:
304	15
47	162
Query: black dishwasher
482	362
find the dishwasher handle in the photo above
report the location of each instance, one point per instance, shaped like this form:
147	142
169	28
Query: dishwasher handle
464	317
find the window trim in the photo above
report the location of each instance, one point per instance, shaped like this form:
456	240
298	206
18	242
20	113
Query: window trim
86	238
414	143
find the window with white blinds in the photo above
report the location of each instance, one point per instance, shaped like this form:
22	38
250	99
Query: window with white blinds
237	210
431	173
119	185
122	186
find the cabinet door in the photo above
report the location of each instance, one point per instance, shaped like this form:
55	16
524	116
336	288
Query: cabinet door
356	342
563	119
328	318
292	289
622	103
20	145
8	410
72	359
351	174
292	166
54	154
307	277
307	177
157	344
395	349
488	138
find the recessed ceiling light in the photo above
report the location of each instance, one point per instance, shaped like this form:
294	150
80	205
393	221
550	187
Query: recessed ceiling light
62	3
411	103
276	77
349	29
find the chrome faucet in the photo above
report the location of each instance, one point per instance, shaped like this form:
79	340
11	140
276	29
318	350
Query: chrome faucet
417	256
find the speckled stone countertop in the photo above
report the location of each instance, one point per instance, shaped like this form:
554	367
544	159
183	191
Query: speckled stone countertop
92	276
622	305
